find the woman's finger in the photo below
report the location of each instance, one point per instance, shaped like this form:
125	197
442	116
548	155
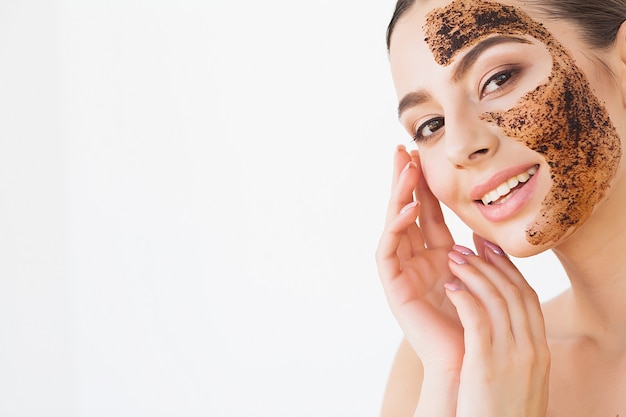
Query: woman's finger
401	158
497	281
416	239
401	198
463	264
431	220
402	193
496	256
479	244
394	235
475	322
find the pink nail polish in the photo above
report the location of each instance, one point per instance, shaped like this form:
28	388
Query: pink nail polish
494	248
457	258
463	250
409	207
450	286
408	166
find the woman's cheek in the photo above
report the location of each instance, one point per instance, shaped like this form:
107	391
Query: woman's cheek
440	182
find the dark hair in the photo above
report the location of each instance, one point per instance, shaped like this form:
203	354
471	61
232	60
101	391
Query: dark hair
401	7
598	20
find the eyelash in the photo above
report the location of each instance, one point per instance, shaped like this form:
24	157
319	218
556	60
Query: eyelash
418	137
510	74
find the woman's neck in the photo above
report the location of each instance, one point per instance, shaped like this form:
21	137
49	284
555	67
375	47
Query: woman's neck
594	259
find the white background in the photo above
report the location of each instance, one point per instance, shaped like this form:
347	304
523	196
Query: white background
191	194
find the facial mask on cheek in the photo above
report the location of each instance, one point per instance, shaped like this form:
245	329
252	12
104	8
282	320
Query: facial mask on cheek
562	119
566	123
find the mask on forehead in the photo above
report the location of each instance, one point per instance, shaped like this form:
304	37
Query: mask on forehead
562	119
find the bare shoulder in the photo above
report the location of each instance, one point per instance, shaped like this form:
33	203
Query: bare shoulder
404	385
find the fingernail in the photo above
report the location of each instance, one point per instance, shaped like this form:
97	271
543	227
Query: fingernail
401	148
494	248
409	166
409	207
451	286
463	250
457	258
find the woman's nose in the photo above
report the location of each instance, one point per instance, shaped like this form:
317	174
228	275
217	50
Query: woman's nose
469	143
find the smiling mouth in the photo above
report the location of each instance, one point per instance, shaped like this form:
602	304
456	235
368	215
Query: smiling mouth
505	190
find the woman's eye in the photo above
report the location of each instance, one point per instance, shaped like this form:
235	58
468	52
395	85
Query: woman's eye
496	82
428	128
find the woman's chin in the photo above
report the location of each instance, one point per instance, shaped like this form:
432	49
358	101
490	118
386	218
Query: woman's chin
519	246
524	250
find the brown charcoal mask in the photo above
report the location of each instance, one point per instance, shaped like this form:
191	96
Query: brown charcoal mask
562	119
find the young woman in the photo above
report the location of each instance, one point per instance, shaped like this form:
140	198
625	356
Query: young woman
518	109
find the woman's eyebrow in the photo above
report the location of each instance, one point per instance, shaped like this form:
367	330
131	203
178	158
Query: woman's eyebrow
469	59
412	99
415	98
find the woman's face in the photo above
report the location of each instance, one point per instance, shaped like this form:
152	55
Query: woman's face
512	135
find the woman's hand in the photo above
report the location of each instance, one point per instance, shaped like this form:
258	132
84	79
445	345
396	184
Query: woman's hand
413	267
507	361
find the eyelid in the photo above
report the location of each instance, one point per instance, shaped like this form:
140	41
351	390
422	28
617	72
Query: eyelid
414	118
513	69
421	124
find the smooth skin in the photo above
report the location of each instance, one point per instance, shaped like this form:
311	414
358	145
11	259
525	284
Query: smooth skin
505	336
477	341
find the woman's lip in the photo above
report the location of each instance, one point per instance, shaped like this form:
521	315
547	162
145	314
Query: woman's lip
514	203
479	191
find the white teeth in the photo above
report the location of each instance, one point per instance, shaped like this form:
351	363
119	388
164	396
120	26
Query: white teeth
504	188
512	183
492	196
523	177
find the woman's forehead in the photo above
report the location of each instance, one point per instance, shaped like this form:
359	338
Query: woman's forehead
461	24
451	27
444	31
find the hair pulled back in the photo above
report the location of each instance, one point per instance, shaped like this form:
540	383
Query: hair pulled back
598	20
